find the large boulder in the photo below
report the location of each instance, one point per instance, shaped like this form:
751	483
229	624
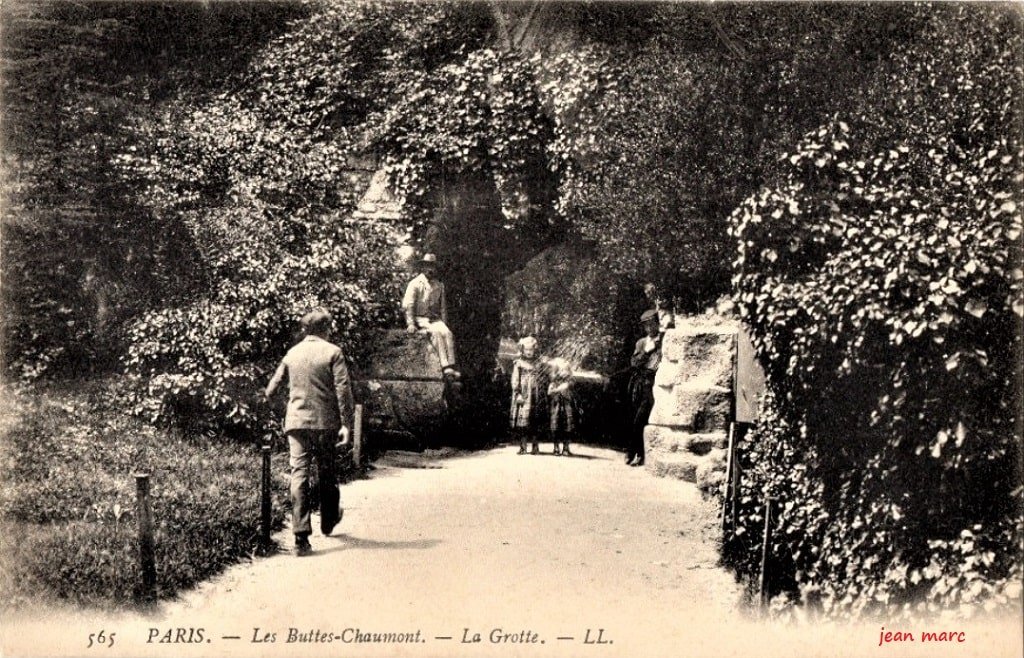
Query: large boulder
407	402
398	355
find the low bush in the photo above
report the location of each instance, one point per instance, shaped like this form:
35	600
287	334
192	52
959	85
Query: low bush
67	506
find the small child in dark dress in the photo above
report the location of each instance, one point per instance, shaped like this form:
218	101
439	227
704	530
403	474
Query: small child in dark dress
562	403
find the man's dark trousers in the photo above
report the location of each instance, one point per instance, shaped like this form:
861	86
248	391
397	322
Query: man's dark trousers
303	447
641	389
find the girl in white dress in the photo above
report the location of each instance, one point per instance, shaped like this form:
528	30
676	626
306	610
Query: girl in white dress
524	414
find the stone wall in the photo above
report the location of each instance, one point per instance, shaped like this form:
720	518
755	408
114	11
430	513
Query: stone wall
687	432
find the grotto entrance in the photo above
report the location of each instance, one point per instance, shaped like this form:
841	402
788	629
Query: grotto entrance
407	402
477	249
484	262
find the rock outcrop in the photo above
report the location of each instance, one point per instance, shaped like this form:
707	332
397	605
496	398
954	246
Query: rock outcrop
686	435
406	400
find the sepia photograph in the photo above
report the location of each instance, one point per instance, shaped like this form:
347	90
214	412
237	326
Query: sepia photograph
543	328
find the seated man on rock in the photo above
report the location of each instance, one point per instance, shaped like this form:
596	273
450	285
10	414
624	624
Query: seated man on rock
426	312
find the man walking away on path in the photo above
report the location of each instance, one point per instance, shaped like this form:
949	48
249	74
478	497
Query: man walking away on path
319	413
426	311
645	361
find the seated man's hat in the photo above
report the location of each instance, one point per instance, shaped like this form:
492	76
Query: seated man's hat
649	314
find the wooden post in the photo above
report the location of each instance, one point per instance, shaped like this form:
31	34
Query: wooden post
763	585
357	436
265	500
147	559
737	470
728	494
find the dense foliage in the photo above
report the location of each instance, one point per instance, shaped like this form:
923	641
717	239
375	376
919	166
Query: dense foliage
263	181
80	254
662	131
477	116
880	271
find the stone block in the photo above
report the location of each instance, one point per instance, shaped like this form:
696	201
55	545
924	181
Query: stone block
660	439
663	439
698	409
706	443
697	325
678	339
711	470
664	411
398	355
705	357
668	374
715	409
674	465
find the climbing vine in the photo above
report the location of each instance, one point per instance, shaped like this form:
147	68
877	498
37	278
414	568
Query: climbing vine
479	115
881	274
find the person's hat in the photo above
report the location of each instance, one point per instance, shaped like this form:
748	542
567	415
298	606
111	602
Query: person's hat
428	258
649	314
529	342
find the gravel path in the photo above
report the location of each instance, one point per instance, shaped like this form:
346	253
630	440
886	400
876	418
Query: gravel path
518	551
548	545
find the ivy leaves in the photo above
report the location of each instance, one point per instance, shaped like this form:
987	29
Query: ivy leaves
480	115
880	270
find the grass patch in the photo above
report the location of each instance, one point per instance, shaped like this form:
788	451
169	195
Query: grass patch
67	504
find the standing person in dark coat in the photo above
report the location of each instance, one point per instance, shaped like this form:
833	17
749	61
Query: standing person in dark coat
644	362
318	417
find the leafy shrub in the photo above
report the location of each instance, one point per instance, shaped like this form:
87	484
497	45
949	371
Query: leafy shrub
263	182
68	502
881	274
203	363
480	115
80	256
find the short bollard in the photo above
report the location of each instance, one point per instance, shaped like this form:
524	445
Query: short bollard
265	500
727	492
357	436
765	549
147	559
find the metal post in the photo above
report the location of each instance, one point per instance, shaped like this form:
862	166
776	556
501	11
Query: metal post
147	560
265	499
763	586
357	436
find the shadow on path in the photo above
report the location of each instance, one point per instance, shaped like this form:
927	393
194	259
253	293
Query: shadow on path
574	455
358	542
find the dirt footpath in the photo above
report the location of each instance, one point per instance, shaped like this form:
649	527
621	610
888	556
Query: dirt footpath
482	554
552	546
540	547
